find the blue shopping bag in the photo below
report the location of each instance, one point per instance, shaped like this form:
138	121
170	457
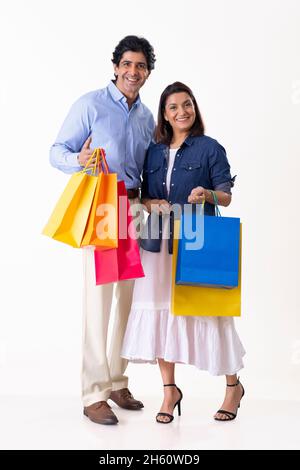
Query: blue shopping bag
208	250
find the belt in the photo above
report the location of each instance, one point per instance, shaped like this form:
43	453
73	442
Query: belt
133	193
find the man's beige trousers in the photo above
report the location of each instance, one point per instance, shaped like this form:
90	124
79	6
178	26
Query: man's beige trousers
101	373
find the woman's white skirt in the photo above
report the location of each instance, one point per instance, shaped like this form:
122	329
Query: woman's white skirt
209	343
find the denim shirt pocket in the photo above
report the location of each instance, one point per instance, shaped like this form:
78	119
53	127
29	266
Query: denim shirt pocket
191	175
191	166
154	175
154	168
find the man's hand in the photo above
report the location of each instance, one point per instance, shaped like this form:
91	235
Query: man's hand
86	153
197	195
160	206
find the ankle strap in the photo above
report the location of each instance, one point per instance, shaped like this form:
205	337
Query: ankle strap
170	385
234	385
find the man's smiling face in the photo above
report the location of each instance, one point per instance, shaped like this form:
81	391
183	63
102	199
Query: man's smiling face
132	72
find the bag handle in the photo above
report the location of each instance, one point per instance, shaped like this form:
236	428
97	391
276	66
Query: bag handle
100	165
102	161
216	202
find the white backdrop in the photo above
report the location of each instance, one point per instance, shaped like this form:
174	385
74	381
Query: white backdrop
241	59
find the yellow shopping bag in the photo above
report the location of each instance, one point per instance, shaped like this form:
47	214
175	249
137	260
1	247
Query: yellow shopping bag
204	301
102	225
68	220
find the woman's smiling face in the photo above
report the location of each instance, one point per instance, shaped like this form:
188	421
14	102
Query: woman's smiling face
180	111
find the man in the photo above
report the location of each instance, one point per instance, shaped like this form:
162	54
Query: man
115	119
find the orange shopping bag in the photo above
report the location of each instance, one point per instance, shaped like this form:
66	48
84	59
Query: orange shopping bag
102	225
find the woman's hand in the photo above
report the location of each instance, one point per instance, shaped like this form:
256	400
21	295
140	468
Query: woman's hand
198	195
160	206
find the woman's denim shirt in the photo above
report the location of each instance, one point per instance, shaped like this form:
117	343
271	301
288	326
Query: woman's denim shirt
200	161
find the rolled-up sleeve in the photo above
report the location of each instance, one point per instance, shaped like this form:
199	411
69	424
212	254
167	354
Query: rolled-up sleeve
219	170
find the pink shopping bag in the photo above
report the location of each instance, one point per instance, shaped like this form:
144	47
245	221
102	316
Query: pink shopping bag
124	262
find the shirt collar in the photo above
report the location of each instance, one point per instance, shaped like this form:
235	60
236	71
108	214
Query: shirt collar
189	140
118	96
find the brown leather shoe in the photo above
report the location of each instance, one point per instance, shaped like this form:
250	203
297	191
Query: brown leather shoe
124	399
101	413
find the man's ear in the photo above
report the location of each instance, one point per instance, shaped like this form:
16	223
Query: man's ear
116	68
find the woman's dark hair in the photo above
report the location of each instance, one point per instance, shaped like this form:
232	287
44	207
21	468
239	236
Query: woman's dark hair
164	131
134	44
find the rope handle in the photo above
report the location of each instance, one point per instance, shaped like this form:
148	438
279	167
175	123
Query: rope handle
216	202
100	164
103	161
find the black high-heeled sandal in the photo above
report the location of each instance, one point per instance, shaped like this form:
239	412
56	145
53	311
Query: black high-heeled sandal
229	414
171	417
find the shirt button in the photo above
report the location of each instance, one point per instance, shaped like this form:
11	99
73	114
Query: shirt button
172	184
190	167
164	183
174	169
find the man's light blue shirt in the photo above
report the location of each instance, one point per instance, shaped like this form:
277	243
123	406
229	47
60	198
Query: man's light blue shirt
124	133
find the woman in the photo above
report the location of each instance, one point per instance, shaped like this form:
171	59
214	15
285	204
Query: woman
182	167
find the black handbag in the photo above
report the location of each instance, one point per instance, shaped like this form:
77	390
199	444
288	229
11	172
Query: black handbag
151	235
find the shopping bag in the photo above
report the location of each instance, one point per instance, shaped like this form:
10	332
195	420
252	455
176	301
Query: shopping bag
69	218
102	225
208	250
204	301
123	262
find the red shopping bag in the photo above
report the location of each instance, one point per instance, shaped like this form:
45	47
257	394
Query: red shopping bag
124	262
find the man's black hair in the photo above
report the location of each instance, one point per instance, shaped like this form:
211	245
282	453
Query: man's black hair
134	44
